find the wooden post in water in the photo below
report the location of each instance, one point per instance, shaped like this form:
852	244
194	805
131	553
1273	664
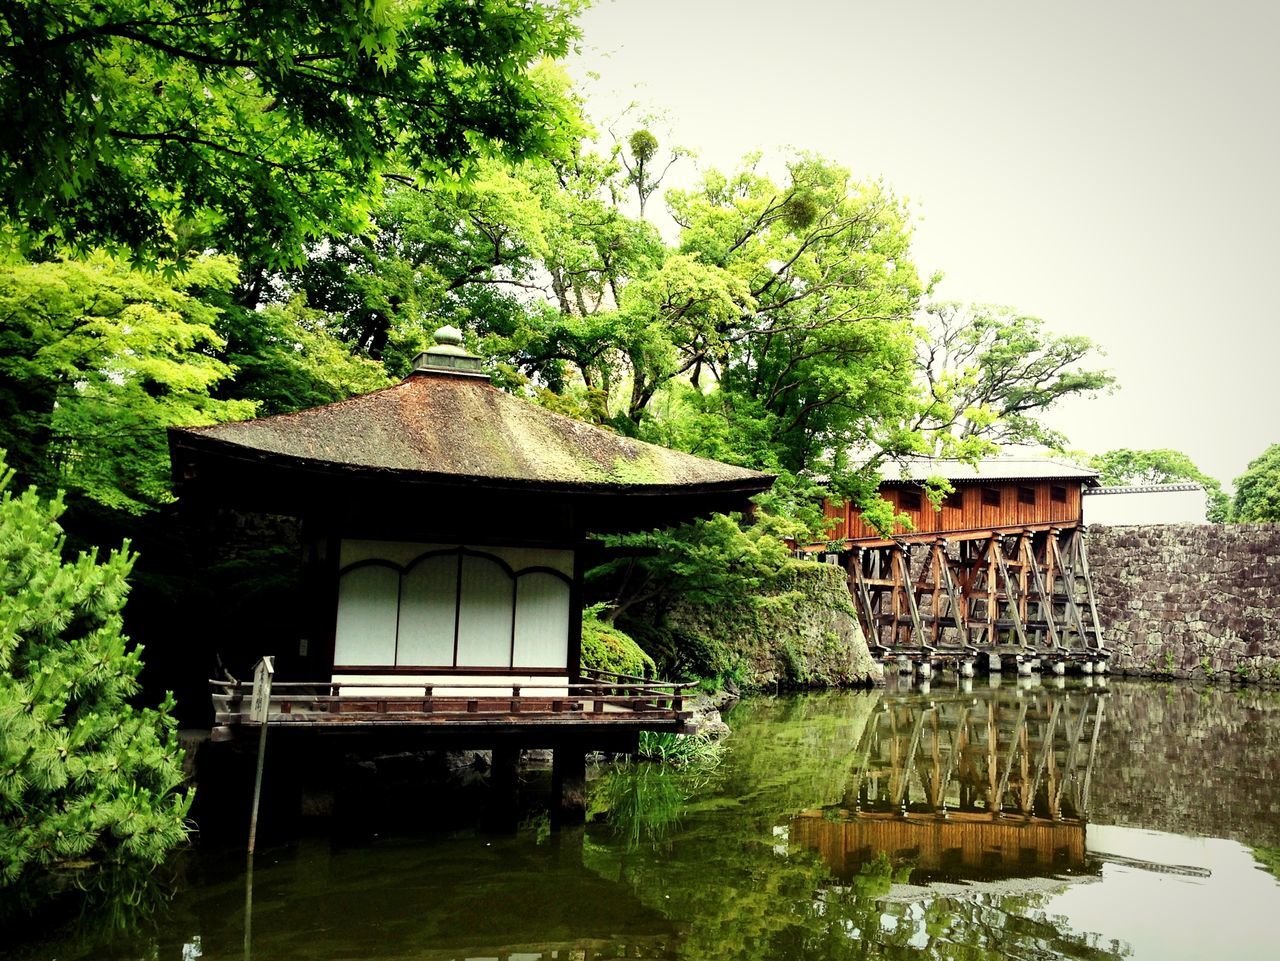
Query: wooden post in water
503	812
258	710
568	784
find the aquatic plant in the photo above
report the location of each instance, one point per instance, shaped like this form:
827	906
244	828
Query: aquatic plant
680	749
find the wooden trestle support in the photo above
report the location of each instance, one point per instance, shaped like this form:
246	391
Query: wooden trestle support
1019	598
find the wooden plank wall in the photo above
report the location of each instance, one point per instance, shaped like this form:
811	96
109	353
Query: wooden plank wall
967	508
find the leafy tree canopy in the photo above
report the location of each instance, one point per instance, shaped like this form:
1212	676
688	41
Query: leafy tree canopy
1258	489
96	360
287	357
1128	468
165	127
86	779
989	372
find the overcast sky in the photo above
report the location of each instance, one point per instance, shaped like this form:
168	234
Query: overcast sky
1113	168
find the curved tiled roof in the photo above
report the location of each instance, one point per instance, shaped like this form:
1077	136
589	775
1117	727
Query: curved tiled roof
456	427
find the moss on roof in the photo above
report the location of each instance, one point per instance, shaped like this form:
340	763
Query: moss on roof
438	423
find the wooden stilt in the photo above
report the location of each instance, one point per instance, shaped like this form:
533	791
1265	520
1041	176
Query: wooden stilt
992	606
568	784
1069	592
909	597
1044	598
1012	601
1082	554
958	613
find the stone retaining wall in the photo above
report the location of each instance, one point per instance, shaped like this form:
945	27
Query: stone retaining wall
1190	600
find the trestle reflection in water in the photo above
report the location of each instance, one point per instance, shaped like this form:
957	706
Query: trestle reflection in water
1033	819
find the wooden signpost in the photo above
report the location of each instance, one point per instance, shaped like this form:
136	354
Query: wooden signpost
258	709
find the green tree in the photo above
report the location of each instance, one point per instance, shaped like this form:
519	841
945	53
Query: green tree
716	561
287	357
96	360
85	777
451	252
1258	489
990	373
157	125
819	350
1127	468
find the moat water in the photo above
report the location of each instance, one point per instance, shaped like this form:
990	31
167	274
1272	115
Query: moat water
992	819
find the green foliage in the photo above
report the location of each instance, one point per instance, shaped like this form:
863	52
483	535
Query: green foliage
816	356
606	648
85	777
96	360
989	372
159	125
1258	489
641	802
706	562
288	357
1126	468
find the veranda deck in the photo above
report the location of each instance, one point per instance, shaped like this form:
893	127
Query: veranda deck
596	702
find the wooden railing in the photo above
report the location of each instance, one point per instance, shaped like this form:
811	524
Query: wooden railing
599	696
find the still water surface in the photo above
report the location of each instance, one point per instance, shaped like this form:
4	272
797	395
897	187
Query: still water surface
1130	820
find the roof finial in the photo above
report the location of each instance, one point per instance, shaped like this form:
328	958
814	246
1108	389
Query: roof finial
449	335
449	356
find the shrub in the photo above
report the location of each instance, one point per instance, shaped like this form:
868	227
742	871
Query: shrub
606	648
86	779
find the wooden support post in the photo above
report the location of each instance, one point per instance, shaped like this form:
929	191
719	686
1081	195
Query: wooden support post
935	569
992	607
1045	598
959	610
1083	557
1012	601
568	784
904	569
862	597
1069	592
1015	563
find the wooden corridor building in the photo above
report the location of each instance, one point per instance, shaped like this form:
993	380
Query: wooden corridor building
999	568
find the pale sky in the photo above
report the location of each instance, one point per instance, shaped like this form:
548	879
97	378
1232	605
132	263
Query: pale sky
1111	167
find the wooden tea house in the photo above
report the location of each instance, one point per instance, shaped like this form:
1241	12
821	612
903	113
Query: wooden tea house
998	571
445	526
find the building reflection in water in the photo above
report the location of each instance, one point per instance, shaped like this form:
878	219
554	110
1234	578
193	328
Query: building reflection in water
958	786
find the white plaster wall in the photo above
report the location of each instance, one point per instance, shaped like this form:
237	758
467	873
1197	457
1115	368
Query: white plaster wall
1145	507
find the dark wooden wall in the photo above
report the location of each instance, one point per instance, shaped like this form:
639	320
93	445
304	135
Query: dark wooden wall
968	509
